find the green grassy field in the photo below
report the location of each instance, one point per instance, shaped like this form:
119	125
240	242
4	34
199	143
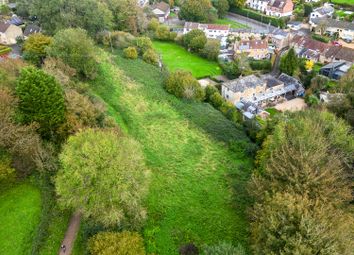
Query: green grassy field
176	57
20	209
233	24
192	196
347	2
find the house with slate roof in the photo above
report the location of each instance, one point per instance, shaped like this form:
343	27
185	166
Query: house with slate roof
335	70
344	29
162	10
9	33
257	49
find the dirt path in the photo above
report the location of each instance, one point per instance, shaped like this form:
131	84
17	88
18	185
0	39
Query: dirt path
70	235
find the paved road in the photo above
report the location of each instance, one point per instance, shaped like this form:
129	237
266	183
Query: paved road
70	235
254	24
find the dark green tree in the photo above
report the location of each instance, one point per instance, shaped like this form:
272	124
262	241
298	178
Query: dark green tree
289	63
41	100
222	6
190	41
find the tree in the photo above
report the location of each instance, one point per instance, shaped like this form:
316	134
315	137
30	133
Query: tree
4	9
305	156
103	175
294	224
76	49
195	39
237	3
41	100
198	11
231	69
34	48
183	85
91	15
111	243
289	63
153	25
307	9
130	53
151	57
163	33
222	7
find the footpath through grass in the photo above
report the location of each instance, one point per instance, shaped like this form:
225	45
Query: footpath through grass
20	210
177	57
191	197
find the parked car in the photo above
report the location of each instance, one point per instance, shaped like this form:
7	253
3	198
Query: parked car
336	43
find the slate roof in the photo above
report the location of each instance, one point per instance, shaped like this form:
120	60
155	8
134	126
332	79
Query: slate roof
162	6
334	23
271	81
4	27
31	29
244	83
309	43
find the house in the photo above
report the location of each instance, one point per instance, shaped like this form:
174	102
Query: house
15	20
259	5
335	70
211	30
294	25
31	29
279	38
257	49
9	33
280	8
338	53
258	90
344	29
162	10
248	34
326	11
309	48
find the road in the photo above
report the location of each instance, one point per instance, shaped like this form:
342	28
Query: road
253	24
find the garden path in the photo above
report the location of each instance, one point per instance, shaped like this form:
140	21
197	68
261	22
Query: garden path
71	233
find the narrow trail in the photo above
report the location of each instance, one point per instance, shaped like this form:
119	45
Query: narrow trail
70	235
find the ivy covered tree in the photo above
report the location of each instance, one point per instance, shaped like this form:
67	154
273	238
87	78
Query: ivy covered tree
103	176
198	11
289	63
41	100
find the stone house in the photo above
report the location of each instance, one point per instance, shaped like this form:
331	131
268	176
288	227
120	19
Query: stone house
257	49
344	29
326	11
162	10
9	33
280	8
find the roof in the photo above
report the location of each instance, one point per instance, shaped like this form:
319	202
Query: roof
290	81
31	29
277	4
252	45
162	6
334	23
346	54
333	65
193	25
324	10
4	27
244	83
16	21
271	81
309	43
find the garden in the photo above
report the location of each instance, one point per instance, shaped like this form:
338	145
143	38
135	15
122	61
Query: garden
176	57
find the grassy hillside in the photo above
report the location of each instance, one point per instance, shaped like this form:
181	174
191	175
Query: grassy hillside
20	208
191	198
177	57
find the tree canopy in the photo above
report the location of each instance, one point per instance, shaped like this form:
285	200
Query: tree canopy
34	48
41	100
198	11
289	62
103	175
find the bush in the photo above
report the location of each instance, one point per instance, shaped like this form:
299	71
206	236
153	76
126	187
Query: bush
163	33
320	38
143	44
7	173
188	38
183	85
151	57
216	100
130	53
153	24
277	22
111	243
223	248
211	49
209	91
263	65
35	46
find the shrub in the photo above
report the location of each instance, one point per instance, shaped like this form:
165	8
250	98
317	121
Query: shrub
130	53
163	33
153	24
209	91
211	49
143	44
183	85
111	243
35	46
263	65
216	100
7	173
198	43
320	38
223	248
151	57
188	38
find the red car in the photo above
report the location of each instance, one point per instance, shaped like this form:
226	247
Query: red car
335	43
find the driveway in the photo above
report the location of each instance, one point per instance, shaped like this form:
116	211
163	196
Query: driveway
253	24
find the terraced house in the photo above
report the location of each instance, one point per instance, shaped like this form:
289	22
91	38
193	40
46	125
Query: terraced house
211	30
277	8
343	29
257	49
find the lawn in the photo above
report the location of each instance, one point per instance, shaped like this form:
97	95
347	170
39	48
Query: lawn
176	57
233	24
197	184
20	210
346	2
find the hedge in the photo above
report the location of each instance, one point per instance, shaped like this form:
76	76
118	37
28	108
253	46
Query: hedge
320	38
263	65
277	22
3	51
